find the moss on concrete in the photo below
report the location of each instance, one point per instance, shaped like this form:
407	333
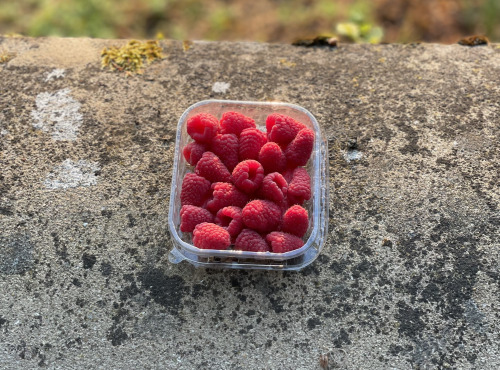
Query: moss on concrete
131	57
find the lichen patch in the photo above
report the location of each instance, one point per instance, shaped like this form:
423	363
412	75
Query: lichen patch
5	56
221	87
130	58
58	114
71	174
352	155
55	74
3	131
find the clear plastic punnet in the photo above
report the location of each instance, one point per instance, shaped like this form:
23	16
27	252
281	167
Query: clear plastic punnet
317	206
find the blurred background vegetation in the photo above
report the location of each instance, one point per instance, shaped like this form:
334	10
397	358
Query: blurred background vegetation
265	20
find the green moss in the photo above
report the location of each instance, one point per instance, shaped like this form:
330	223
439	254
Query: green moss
131	57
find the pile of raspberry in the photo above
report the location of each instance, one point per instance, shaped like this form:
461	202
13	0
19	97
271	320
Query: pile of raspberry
248	187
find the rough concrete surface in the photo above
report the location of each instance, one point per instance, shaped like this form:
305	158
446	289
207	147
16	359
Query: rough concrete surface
409	276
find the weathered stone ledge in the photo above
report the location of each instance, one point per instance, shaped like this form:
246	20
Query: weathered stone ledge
409	277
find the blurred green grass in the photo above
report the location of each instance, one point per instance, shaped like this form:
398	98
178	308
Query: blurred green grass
265	20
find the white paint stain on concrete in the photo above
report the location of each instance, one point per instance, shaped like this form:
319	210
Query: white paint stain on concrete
58	114
54	74
352	155
221	87
71	174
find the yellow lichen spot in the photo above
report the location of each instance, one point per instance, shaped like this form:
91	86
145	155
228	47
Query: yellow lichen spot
186	45
287	63
382	60
5	56
13	35
131	57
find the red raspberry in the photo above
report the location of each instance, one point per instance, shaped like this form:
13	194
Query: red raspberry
225	195
202	127
250	241
212	168
272	158
295	221
282	129
193	152
195	190
261	215
248	175
231	219
234	123
288	174
210	236
299	189
300	149
283	242
225	146
274	187
251	140
192	216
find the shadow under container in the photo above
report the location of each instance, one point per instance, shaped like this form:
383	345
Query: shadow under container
317	206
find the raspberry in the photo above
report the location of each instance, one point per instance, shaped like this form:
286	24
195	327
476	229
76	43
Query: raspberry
300	149
261	215
299	189
248	175
202	127
193	152
231	219
272	158
210	236
195	190
225	146
251	140
234	123
295	221
250	241
192	216
212	168
224	195
288	174
282	129
283	242
274	187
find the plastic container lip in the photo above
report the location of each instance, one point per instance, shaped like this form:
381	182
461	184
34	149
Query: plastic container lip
316	188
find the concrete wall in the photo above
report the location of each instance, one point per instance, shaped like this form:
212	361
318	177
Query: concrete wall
409	277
